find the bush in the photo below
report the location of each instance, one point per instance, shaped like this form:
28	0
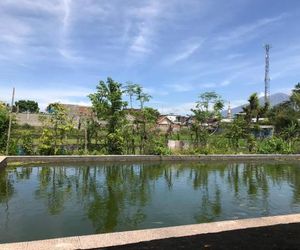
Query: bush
159	148
274	145
46	144
4	120
27	143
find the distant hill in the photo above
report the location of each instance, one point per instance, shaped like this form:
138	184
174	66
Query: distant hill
274	100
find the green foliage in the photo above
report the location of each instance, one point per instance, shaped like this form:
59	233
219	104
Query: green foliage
27	143
235	131
208	106
116	143
285	115
4	121
27	106
160	148
46	142
113	129
55	131
274	145
131	89
207	111
295	97
108	105
13	147
254	109
142	96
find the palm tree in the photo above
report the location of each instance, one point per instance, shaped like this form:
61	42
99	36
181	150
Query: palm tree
131	89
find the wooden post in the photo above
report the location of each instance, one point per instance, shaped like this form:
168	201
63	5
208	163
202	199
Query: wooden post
10	121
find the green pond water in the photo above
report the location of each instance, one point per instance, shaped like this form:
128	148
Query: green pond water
47	201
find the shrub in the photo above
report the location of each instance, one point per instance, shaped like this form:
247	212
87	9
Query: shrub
27	143
158	147
274	145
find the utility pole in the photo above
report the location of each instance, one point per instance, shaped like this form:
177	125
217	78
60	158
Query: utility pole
267	70
85	138
10	121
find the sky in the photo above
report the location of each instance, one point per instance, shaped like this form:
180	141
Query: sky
58	50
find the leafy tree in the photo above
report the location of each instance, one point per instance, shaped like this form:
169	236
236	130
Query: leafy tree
285	115
282	116
295	97
27	106
146	116
254	109
108	105
56	129
236	131
207	111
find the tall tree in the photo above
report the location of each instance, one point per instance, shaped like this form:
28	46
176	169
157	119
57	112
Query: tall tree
295	97
235	131
131	89
142	96
285	117
207	112
108	105
254	109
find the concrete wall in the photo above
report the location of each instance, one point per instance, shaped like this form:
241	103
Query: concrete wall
178	144
2	162
30	119
147	158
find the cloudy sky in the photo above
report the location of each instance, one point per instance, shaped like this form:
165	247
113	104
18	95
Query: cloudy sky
58	50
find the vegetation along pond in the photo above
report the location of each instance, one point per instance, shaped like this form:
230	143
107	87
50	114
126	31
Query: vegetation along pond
47	201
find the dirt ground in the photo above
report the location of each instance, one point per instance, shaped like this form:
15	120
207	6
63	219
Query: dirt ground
272	237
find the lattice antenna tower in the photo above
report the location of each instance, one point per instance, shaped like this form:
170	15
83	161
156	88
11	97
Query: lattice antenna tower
267	71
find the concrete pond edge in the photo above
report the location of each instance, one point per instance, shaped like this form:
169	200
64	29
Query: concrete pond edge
4	160
131	237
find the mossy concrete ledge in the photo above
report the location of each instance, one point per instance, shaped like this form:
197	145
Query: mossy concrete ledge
3	161
146	158
131	237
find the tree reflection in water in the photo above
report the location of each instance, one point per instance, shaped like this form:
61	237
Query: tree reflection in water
115	195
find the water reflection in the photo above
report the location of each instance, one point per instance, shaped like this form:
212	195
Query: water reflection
116	197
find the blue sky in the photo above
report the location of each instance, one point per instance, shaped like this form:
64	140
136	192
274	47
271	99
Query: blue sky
58	50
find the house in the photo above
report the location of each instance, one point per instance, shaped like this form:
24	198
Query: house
264	131
171	123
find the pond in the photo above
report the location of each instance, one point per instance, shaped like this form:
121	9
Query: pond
47	201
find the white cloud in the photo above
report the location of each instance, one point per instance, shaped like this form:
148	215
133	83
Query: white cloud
48	95
143	41
260	94
181	109
185	87
184	54
225	83
244	32
156	91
